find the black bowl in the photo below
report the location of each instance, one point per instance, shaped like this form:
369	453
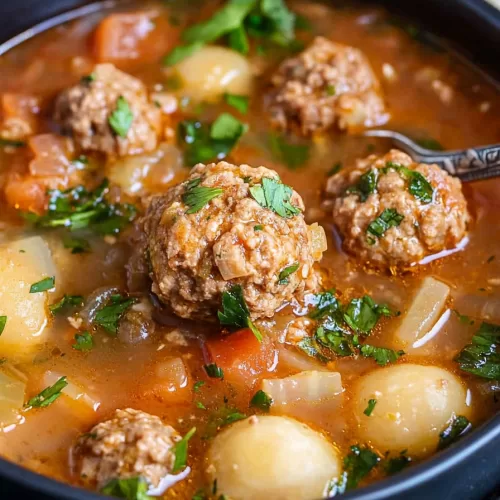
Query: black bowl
470	470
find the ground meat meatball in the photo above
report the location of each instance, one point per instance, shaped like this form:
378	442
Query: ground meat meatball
84	111
391	216
327	84
130	444
231	240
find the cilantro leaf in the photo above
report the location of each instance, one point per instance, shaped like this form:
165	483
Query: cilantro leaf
180	450
366	185
11	143
77	245
309	346
370	407
358	464
132	488
3	322
181	52
456	427
198	385
325	303
197	197
482	356
239	102
363	314
335	339
238	40
83	342
64	302
418	186
235	311
121	118
227	127
387	219
292	155
275	196
261	400
282	18
381	355
43	285
214	371
48	395
109	316
397	464
286	272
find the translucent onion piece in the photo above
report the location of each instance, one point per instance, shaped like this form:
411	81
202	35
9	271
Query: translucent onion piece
72	390
423	312
318	240
308	386
12	392
230	259
173	374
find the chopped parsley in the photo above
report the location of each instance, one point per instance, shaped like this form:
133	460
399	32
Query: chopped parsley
387	219
465	320
311	348
261	400
358	464
231	417
335	169
77	208
370	407
48	395
292	155
366	185
363	314
238	102
325	303
200	405
418	185
214	371
11	143
121	118
181	52
491	258
381	355
88	78
238	40
258	227
109	316
3	322
83	342
456	427
275	196
482	356
235	311
180	449
76	245
330	90
132	488
203	142
397	464
65	302
286	272
43	285
196	197
198	385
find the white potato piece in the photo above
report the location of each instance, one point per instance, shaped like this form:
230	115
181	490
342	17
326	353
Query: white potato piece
73	390
211	71
12	392
272	457
414	403
23	263
310	386
424	311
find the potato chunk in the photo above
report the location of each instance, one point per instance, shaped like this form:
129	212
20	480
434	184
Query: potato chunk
23	263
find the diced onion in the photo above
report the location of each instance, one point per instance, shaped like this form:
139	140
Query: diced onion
173	374
310	386
424	311
12	392
72	390
230	259
318	240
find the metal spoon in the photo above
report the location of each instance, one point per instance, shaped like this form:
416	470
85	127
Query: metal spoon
468	165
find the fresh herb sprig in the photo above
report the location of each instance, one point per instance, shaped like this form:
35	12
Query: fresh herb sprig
108	317
48	395
261	400
131	488
180	450
275	196
457	426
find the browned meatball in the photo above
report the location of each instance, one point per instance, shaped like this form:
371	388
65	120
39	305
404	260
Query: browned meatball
392	212
232	239
85	111
130	444
327	84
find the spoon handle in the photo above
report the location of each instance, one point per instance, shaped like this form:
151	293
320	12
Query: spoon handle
468	165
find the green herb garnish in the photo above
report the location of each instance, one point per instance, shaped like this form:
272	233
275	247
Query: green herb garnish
397	464
431	144
214	371
48	395
77	245
83	342
198	385
132	488
358	464
238	40
43	285
11	143
286	272
3	322
198	196
108	317
418	185
387	219
121	118
227	128
371	406
335	169
238	102
235	311
181	52
180	450
366	185
258	227
381	355
65	302
262	401
292	155
457	426
275	196
363	314
330	90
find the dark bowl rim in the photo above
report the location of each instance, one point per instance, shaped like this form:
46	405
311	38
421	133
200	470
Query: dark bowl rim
384	489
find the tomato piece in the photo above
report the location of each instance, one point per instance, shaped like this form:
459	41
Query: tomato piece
130	36
241	356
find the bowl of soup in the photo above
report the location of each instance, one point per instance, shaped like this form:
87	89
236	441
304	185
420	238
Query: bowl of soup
214	285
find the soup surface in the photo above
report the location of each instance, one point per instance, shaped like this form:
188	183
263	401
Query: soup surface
375	357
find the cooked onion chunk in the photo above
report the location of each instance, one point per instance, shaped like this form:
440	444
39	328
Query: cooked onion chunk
393	212
218	230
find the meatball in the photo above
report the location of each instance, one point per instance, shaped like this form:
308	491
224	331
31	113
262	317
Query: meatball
130	444
327	84
197	253
392	212
272	457
85	110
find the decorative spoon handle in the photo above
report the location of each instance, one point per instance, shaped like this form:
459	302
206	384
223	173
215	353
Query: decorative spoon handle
468	165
